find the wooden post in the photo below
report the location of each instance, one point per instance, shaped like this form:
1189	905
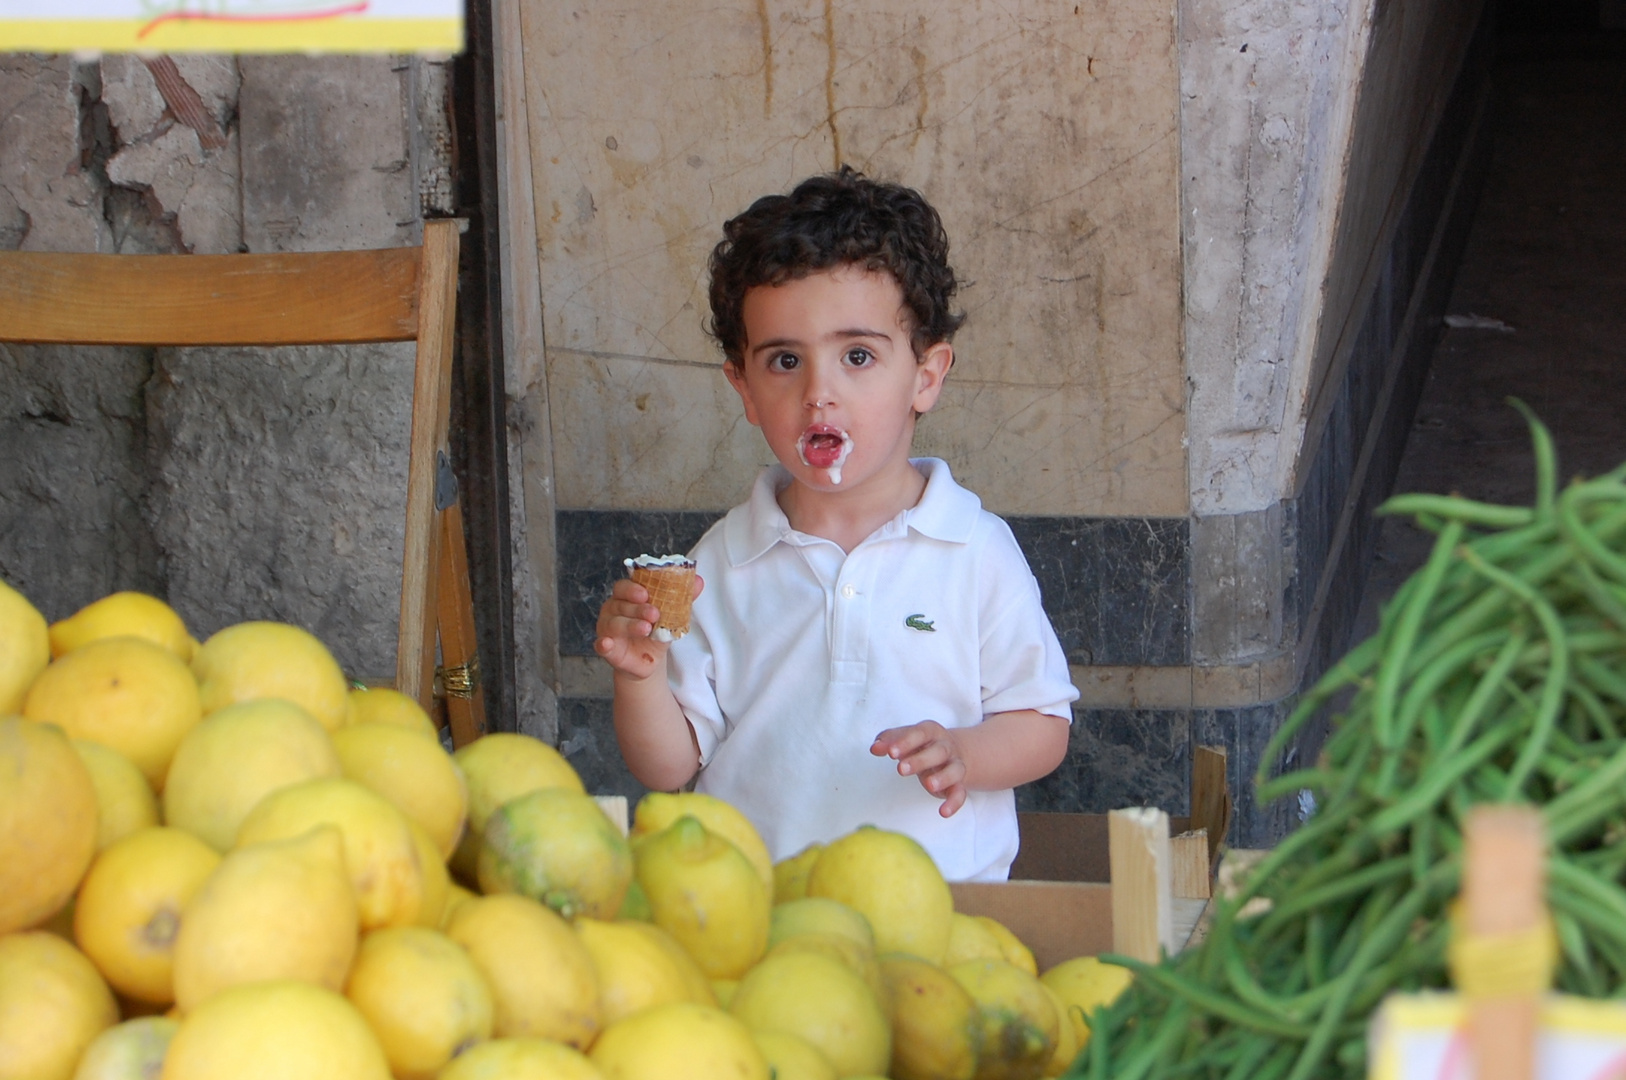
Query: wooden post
1210	799
1142	898
460	657
1503	891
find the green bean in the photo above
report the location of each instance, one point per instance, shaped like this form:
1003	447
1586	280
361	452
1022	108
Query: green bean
1454	509
1392	665
1546	457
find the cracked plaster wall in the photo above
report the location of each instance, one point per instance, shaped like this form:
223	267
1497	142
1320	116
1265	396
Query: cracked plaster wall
1260	83
1045	134
240	483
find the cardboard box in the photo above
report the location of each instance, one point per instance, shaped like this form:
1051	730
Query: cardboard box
1059	900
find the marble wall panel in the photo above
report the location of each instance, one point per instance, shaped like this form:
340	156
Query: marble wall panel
1047	137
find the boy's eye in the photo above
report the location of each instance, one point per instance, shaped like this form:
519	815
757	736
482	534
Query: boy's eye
784	361
859	357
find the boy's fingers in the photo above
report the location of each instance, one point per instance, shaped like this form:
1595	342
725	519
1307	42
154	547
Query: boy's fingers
695	589
953	799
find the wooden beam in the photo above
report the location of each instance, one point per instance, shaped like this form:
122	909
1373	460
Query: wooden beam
332	297
431	393
1503	890
1142	896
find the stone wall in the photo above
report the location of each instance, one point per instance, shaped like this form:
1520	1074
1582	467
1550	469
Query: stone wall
236	484
1160	213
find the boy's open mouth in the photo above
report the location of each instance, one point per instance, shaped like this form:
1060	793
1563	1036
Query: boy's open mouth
823	447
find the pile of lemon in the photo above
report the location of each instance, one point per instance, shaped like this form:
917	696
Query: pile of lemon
220	861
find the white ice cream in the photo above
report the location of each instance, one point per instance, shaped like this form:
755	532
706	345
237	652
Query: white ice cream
833	471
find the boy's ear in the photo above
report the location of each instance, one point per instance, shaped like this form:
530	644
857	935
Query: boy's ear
930	371
735	373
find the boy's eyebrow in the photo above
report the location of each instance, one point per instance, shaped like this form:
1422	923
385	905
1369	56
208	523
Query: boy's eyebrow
848	332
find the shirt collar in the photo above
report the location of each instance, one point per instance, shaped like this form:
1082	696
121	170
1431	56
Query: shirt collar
946	512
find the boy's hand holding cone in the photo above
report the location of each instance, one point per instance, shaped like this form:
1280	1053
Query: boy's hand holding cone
647	609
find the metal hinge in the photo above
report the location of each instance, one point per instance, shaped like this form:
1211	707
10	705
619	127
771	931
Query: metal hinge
458	681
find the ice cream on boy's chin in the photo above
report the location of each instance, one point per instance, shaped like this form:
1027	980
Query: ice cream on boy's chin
825	447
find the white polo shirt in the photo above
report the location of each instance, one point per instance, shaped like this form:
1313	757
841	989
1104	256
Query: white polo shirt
798	655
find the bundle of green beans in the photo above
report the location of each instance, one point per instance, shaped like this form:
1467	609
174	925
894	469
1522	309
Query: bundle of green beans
1498	674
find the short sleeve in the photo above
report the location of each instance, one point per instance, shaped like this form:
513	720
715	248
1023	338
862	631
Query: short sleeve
1023	666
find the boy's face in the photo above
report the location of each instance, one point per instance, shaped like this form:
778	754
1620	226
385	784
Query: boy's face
831	378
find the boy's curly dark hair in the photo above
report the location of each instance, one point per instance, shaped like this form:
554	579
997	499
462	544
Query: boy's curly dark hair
837	219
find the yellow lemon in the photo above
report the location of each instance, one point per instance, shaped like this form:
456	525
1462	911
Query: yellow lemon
936	1030
123	614
48	821
235	758
254	660
456	895
1066	1038
275	1030
521	1059
124	799
422	996
659	809
272	911
133	1050
817	915
679	1041
1020	1025
378	844
499	767
791	1057
890	879
125	693
821	1000
541	975
52	1005
859	959
1084	984
25	647
700	890
558	847
969	939
383	705
437	881
723	990
413	774
790	875
1015	952
129	908
635	970
636	904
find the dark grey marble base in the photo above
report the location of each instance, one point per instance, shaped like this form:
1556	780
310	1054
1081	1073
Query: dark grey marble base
587	740
1115	588
1118	758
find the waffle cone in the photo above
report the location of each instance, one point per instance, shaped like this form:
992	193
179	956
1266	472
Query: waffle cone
671	589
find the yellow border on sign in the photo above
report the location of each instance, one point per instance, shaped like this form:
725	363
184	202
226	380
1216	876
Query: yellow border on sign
338	35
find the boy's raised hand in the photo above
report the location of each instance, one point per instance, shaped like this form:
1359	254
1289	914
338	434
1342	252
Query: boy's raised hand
931	752
624	625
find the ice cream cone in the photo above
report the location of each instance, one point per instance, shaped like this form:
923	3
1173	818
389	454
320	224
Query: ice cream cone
670	581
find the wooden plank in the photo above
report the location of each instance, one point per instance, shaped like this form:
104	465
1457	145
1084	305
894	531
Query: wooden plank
283	299
459	654
431	395
1503	890
1188	865
1210	799
1142	900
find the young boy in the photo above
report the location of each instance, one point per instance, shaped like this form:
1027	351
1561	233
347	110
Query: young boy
867	644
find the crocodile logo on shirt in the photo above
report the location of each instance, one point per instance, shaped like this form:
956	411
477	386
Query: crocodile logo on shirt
920	622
